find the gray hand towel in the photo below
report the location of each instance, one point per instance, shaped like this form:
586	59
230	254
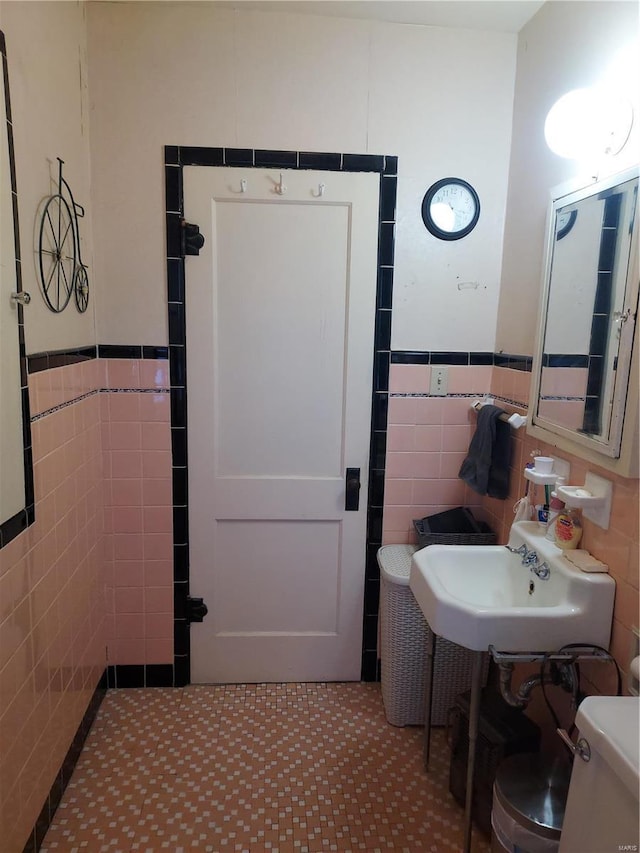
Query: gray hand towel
486	467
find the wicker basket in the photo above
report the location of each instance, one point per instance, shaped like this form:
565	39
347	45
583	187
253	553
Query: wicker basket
404	639
453	527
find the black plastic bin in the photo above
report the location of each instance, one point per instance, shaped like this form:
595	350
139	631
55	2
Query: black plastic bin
453	527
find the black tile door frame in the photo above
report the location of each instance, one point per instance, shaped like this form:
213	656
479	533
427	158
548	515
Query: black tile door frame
176	158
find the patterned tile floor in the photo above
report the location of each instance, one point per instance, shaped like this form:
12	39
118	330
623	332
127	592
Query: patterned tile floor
283	768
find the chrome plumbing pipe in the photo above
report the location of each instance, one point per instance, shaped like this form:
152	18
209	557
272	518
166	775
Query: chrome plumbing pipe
522	697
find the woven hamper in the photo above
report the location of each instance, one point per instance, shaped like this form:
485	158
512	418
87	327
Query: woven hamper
404	637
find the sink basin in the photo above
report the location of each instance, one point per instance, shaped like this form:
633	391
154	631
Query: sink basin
482	595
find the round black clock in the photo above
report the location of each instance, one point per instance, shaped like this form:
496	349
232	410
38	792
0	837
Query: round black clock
564	222
450	209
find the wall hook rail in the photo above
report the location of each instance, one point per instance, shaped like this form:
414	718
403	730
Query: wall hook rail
280	188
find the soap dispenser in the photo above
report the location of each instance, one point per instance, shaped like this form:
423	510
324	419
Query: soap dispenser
568	529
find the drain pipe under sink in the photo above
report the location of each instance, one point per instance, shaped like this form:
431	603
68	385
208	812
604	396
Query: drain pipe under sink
523	696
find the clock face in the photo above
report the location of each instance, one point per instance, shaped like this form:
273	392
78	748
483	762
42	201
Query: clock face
450	209
564	222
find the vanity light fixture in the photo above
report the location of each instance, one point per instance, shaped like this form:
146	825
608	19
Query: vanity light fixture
588	123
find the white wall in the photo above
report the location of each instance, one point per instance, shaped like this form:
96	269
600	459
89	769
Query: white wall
190	74
566	46
46	49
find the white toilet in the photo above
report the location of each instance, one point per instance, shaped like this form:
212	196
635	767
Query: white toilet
602	808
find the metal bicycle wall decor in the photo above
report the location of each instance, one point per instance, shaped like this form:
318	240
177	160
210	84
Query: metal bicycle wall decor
62	271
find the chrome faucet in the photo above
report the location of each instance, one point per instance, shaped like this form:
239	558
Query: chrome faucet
530	559
522	551
542	570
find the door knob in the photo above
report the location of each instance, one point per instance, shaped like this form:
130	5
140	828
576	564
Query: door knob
352	490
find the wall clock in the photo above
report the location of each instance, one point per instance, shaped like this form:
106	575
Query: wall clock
564	222
450	209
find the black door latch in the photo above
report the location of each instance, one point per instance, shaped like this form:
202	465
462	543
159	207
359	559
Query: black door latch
196	609
192	239
352	490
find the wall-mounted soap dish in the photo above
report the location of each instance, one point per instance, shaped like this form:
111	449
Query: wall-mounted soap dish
594	498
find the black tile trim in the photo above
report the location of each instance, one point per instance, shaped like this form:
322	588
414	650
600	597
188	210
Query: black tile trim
238	157
59	358
40	361
140	675
319	162
452	358
386	166
119	351
498	359
409	357
52	801
155	353
194	156
132	351
12	527
521	362
268	159
513	361
363	163
565	360
481	358
385	288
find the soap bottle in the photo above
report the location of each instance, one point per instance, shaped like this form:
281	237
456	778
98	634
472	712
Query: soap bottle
555	506
568	529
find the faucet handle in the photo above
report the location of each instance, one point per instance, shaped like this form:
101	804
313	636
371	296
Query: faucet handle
542	571
522	551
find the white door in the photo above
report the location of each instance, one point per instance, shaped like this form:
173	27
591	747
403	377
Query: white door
280	321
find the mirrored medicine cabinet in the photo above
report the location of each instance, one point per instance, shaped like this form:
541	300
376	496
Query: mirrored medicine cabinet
585	372
16	470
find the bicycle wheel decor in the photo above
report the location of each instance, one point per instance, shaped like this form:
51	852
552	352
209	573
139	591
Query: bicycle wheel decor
62	271
81	288
57	253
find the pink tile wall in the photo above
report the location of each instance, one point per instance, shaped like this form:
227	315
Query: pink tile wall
564	381
618	546
427	441
569	413
136	440
52	623
428	438
93	576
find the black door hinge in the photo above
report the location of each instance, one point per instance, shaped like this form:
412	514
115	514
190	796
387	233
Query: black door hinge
192	239
196	609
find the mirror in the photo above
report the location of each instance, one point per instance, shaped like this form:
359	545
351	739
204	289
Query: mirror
589	305
16	472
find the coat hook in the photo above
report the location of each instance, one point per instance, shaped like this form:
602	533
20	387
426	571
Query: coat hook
320	193
243	185
280	188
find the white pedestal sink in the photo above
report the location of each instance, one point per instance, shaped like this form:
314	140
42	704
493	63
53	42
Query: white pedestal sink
481	595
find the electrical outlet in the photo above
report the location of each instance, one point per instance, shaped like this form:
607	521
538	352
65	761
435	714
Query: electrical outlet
439	381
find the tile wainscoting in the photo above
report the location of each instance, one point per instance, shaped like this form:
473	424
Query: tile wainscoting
96	569
427	440
52	614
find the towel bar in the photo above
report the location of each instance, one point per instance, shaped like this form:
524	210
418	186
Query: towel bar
514	419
